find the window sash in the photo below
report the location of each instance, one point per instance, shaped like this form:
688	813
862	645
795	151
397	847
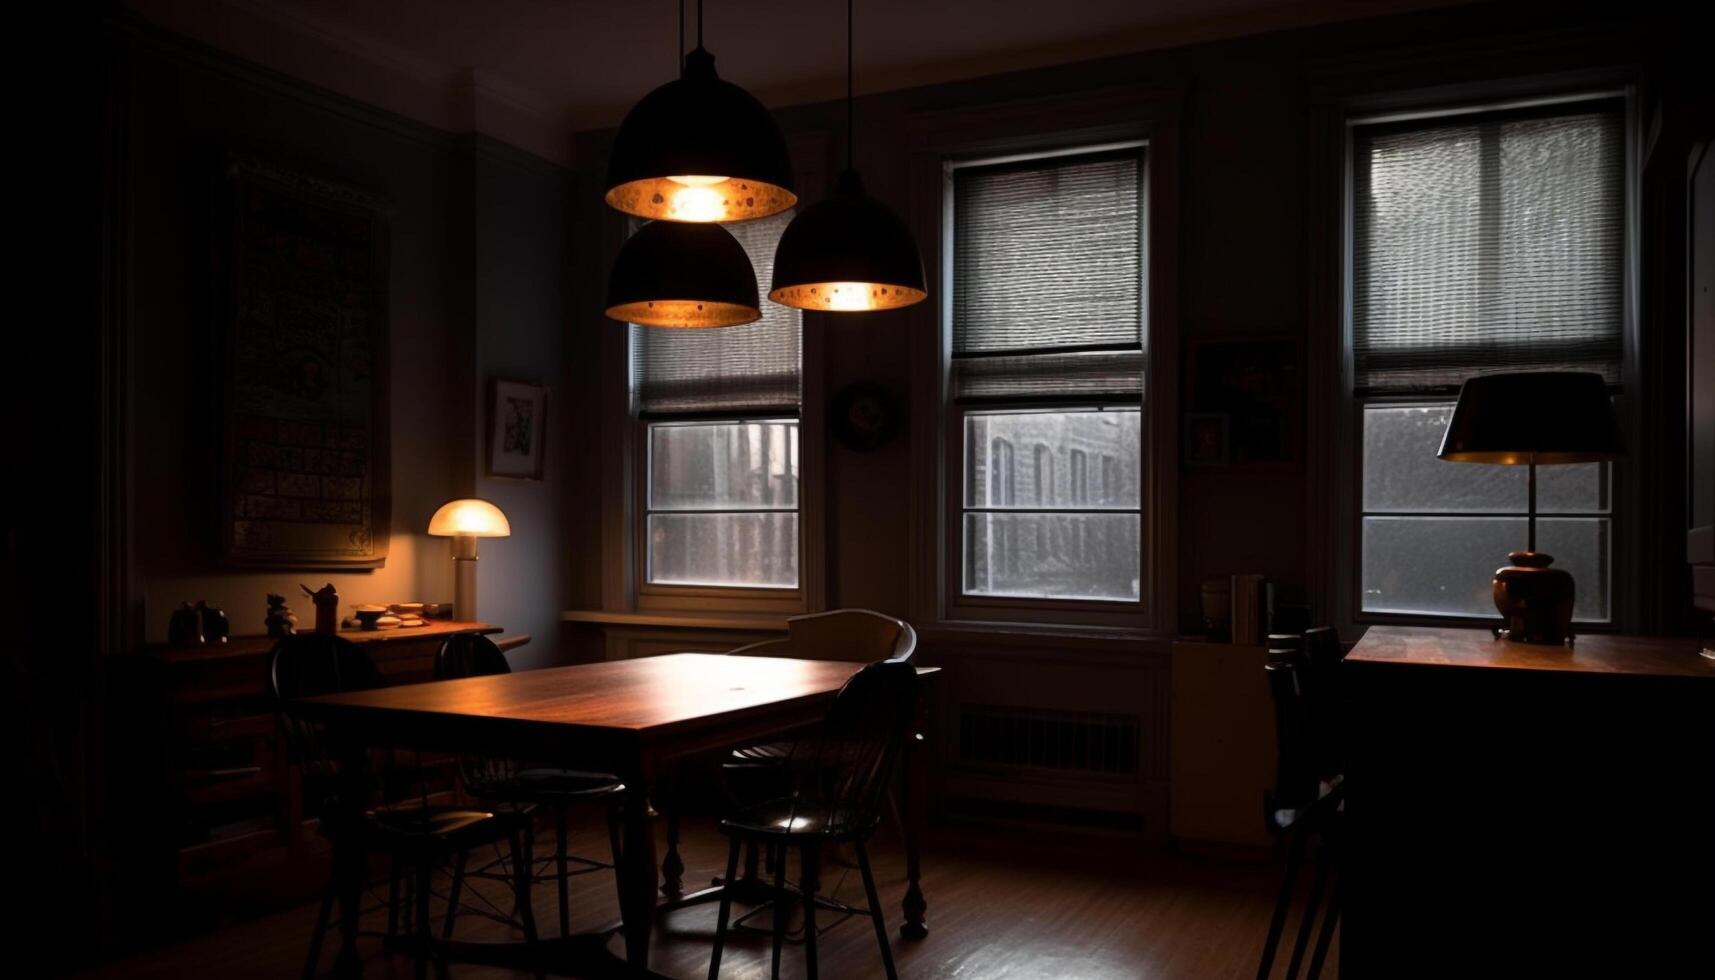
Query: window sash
1047	266
1486	241
1074	486
655	513
1550	518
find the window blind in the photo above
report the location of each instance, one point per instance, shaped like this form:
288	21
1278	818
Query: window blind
1488	243
1048	278
750	368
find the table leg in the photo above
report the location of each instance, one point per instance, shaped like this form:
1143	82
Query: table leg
673	866
637	874
349	860
916	826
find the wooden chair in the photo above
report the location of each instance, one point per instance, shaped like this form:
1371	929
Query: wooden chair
414	833
854	635
1307	802
522	788
831	791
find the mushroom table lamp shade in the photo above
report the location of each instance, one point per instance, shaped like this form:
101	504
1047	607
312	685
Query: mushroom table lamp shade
464	521
1523	419
699	149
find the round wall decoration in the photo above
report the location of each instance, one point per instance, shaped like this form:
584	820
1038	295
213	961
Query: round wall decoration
864	416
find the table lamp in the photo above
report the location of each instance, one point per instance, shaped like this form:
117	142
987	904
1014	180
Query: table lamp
464	521
1546	417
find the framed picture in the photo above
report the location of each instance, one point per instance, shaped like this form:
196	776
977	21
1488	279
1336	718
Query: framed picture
1254	384
1206	439
517	429
301	329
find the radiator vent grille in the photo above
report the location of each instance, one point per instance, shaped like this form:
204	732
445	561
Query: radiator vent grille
1074	741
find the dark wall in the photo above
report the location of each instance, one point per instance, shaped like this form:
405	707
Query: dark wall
1245	232
479	254
522	303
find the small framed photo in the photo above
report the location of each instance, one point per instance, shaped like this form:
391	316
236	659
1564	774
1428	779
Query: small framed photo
1254	383
1206	439
517	429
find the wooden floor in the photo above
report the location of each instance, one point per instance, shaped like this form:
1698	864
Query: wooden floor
1001	906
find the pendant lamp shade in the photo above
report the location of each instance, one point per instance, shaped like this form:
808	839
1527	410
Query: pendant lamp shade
699	149
847	254
673	274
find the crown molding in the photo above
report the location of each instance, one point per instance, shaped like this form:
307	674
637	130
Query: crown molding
298	43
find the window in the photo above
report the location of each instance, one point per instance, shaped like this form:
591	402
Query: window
1047	264
1481	242
719	412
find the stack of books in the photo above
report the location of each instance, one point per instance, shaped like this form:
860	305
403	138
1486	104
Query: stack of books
1253	609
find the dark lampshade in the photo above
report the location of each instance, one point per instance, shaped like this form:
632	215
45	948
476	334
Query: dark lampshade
1533	417
849	253
671	274
699	149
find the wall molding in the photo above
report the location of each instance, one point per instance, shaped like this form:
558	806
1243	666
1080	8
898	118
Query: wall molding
454	101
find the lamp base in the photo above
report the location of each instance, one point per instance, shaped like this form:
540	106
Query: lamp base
1534	599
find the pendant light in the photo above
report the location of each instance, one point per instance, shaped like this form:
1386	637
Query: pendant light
674	274
699	149
848	253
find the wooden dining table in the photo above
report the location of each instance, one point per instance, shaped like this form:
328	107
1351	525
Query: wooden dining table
633	718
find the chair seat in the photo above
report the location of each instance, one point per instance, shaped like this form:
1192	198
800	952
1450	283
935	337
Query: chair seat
796	819
763	754
550	786
414	827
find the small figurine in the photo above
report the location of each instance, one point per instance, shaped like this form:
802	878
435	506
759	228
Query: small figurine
281	621
214	625
184	629
327	607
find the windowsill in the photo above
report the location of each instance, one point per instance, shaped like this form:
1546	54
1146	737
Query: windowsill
993	633
1365	620
717	621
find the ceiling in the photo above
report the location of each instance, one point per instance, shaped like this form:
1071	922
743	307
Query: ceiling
565	65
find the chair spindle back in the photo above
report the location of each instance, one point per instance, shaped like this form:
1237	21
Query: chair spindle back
842	771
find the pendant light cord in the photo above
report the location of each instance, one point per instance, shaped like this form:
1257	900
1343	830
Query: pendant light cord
699	23
681	37
851	106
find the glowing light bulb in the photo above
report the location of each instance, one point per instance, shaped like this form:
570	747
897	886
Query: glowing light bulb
695	203
846	296
696	180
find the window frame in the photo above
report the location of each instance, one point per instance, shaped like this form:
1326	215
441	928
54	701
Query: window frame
1490	101
1140	112
965	605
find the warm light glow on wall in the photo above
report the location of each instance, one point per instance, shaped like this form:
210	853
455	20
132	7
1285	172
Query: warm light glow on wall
846	297
700	199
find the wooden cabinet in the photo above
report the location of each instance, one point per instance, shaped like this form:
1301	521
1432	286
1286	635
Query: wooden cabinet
213	804
1522	810
1223	750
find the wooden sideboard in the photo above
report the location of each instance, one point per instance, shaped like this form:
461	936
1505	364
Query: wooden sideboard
1522	810
217	817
